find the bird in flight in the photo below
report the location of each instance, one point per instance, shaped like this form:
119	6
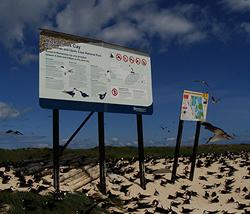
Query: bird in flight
202	82
219	133
214	100
162	127
14	132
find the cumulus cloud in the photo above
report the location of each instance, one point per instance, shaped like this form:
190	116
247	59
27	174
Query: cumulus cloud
132	23
7	111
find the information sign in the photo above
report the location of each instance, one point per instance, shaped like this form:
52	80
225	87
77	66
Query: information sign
194	106
77	73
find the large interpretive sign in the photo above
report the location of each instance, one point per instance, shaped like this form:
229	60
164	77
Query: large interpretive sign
78	73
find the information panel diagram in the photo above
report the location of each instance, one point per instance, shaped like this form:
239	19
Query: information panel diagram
194	106
80	74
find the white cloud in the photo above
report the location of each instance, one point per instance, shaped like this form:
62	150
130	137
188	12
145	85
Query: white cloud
8	112
239	6
246	27
126	22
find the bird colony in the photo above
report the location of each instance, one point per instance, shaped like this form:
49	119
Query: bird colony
221	182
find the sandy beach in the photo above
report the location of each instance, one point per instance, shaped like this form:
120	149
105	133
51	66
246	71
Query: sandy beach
222	169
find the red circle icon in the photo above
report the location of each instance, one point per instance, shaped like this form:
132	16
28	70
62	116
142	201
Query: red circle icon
114	92
119	57
143	62
131	59
125	58
137	61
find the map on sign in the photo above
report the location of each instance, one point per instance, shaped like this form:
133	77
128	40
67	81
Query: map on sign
194	106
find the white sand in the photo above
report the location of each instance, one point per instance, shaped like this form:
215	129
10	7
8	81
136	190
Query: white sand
199	203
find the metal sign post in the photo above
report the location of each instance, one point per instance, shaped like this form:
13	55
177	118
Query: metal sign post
102	152
141	151
56	148
177	149
196	140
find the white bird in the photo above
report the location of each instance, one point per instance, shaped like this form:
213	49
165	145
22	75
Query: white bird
219	133
215	101
65	70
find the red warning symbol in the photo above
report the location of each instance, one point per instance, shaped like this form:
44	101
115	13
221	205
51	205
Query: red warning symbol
114	92
131	59
119	57
143	62
125	58
137	61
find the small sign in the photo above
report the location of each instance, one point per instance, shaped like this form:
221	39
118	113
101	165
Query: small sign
194	106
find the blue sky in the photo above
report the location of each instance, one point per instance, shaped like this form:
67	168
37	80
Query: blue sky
186	40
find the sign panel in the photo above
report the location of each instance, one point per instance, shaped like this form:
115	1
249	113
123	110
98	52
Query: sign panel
194	106
77	73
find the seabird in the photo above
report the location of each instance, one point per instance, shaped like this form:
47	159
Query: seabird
102	96
14	132
84	95
71	93
202	82
65	70
215	101
219	133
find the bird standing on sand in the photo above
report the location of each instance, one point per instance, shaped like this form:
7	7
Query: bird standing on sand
219	133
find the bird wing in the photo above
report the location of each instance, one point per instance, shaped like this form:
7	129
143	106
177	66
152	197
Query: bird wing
9	131
209	126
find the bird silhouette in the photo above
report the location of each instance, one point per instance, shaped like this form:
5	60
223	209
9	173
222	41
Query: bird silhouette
71	93
202	82
84	95
14	132
214	100
219	133
102	96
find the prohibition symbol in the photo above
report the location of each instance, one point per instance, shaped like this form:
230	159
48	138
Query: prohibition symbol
125	58
118	57
143	62
137	61
131	59
114	92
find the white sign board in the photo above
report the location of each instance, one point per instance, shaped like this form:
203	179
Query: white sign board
78	74
194	106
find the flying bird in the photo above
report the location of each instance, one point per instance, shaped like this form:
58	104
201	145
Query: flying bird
202	82
162	127
65	70
14	132
219	133
215	101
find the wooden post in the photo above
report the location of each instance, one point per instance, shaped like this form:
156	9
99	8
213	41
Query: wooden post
141	151
177	149
196	141
56	148
102	152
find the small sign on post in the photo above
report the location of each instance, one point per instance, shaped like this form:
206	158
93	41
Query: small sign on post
194	108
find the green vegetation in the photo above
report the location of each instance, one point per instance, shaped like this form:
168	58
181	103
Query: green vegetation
18	155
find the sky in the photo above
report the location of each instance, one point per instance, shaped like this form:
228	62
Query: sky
186	40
